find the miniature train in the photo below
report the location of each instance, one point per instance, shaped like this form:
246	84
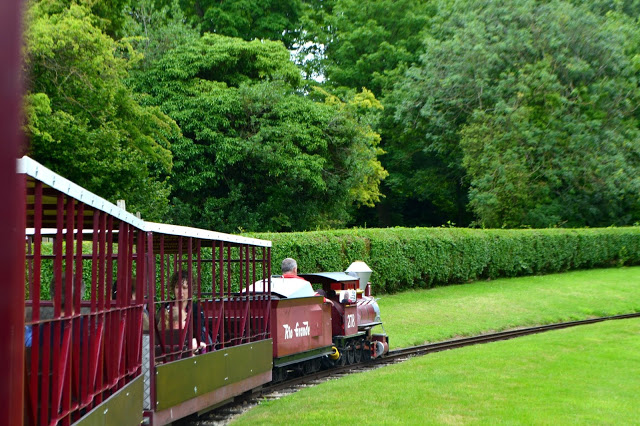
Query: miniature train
110	339
330	327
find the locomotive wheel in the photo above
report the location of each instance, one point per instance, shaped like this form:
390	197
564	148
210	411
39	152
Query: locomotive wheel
358	352
308	367
317	364
325	362
342	361
279	374
366	353
351	354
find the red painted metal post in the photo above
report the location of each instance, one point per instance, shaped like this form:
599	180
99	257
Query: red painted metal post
247	319
268	322
151	309
189	325
223	311
12	219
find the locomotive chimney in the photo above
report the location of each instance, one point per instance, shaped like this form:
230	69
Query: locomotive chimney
362	271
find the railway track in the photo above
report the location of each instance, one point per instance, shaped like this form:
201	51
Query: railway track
278	390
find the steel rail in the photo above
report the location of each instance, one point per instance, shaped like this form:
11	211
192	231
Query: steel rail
501	335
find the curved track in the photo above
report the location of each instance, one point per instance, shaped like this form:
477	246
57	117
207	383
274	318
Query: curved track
274	391
502	335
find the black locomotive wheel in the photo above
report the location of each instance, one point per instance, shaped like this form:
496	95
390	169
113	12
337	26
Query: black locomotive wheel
351	354
316	364
325	362
308	367
279	374
366	353
358	352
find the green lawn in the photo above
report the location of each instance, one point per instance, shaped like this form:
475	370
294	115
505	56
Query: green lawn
574	376
584	375
442	313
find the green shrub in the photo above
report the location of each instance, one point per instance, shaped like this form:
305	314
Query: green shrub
404	258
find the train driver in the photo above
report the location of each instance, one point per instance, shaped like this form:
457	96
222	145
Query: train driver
290	269
289	284
294	286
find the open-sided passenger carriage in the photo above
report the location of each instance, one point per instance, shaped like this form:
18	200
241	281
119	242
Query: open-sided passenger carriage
84	354
90	359
235	322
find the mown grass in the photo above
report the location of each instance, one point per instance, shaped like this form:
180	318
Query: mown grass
584	375
442	313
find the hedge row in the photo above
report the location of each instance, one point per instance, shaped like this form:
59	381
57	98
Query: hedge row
404	258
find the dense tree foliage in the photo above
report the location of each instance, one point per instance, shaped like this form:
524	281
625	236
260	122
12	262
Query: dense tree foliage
498	114
153	30
256	154
534	105
357	44
82	121
247	19
354	44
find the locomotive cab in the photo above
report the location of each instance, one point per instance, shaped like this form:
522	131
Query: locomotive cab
340	290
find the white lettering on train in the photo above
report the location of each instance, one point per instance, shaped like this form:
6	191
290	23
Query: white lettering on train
351	320
305	330
288	332
300	331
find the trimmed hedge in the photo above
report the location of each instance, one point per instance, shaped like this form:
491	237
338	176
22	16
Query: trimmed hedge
403	258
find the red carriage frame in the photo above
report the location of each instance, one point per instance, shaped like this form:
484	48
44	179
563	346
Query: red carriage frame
87	350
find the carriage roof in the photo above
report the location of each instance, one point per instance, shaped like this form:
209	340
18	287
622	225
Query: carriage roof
185	231
53	184
329	277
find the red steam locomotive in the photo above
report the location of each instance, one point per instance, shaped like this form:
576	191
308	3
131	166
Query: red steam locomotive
330	326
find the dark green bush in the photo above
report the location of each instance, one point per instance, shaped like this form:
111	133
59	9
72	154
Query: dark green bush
404	258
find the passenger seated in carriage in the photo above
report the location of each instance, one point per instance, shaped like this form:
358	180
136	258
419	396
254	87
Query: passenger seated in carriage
179	311
289	268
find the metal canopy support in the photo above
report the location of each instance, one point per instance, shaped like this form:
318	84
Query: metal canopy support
12	248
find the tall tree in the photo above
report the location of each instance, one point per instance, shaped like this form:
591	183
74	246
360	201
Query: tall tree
352	44
533	105
154	29
258	155
356	44
246	19
82	121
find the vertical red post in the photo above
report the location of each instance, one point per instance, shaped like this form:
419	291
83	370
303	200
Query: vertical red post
221	283
151	309
12	219
268	323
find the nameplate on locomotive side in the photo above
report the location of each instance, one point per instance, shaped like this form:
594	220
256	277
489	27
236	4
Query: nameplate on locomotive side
298	331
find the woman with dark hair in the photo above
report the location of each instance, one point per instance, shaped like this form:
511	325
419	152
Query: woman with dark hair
180	310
